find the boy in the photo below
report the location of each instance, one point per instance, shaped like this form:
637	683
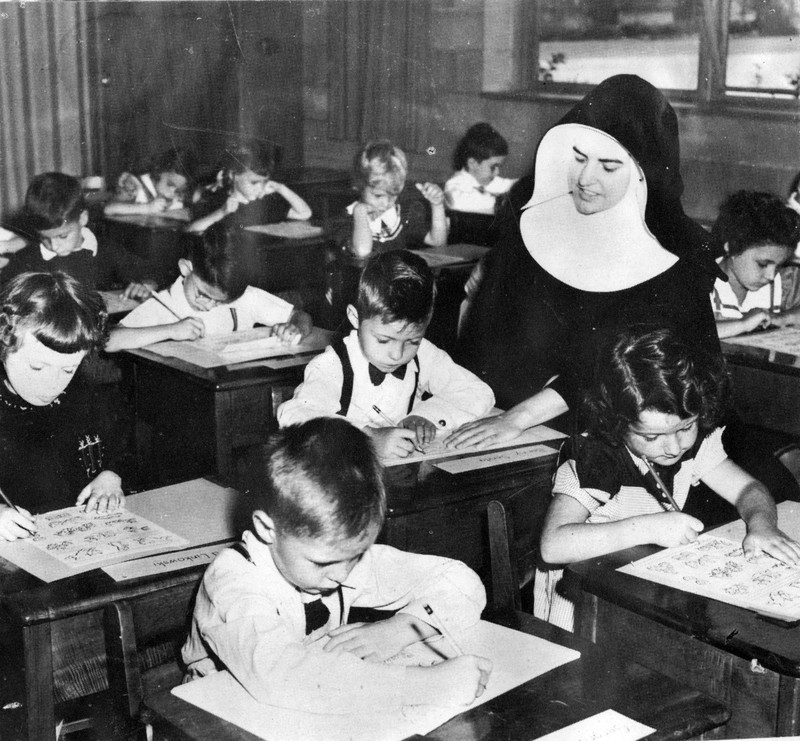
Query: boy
56	215
290	610
211	296
385	370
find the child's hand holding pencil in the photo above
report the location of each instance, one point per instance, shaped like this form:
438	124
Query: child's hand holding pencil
15	522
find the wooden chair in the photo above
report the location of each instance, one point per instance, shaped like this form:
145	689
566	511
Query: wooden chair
514	528
143	640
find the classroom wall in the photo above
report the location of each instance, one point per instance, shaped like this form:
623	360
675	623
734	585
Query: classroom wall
720	151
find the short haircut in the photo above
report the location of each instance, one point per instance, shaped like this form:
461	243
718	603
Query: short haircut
216	259
654	370
380	163
322	478
240	157
63	314
396	286
752	219
179	160
52	200
481	142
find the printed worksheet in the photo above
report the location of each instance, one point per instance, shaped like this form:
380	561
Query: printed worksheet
716	567
785	340
78	539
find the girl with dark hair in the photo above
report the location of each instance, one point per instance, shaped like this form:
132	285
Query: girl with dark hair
653	416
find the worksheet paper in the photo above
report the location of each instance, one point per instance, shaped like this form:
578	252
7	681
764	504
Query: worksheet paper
785	340
287	229
715	567
526	443
606	726
517	657
238	347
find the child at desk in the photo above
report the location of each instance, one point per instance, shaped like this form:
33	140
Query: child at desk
56	218
291	610
55	452
758	234
653	419
211	296
160	190
385	372
245	195
476	185
381	219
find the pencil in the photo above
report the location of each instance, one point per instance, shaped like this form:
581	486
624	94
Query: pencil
389	421
164	304
661	485
8	501
440	626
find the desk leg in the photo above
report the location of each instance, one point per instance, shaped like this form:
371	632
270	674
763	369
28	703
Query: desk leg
788	714
39	709
225	467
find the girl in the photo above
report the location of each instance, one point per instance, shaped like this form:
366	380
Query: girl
654	406
477	160
160	190
757	234
53	448
244	195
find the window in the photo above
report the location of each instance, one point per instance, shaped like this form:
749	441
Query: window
701	49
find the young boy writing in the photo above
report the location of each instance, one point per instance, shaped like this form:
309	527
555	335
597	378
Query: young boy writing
385	377
211	296
288	609
55	218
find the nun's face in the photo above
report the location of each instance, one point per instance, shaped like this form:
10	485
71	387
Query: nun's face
599	172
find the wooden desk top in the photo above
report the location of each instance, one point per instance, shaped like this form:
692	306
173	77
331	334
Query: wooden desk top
757	357
599	680
732	629
155	222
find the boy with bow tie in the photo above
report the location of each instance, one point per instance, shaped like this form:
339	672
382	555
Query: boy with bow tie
385	372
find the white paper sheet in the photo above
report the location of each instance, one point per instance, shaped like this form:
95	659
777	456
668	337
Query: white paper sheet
436	450
238	347
287	229
494	458
784	340
608	725
716	567
517	657
164	562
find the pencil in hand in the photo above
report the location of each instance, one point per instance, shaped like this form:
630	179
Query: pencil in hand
442	628
158	298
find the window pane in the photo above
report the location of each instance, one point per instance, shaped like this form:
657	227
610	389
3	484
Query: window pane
586	41
763	46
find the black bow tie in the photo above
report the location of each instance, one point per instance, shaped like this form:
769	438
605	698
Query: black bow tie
317	615
376	375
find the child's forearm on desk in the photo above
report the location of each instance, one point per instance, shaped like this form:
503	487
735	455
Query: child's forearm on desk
299	209
199	226
437	236
362	234
131	338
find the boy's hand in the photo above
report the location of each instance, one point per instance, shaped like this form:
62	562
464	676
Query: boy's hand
139	291
483	432
770	540
270	187
670	529
102	495
374	642
453	683
191	328
392	442
157	205
231	206
424	429
757	319
431	193
287	333
15	525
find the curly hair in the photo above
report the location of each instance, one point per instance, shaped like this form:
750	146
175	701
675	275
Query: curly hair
380	162
653	370
63	314
751	218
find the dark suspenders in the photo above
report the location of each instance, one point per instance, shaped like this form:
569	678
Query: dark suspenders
347	379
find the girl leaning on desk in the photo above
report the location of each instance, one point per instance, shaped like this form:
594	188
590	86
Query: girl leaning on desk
54	446
595	240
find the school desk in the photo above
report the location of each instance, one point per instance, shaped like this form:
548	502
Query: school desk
193	421
52	634
598	680
766	386
750	663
